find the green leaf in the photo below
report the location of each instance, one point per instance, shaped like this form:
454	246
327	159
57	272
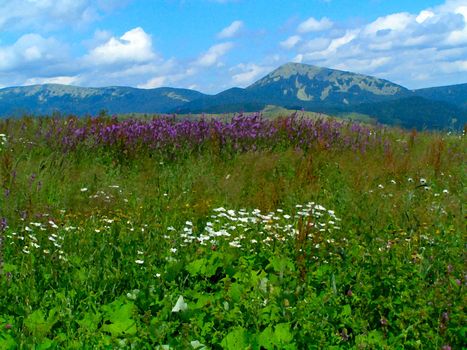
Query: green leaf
236	339
118	318
38	325
281	264
90	322
282	334
266	338
205	267
197	267
347	311
7	342
235	292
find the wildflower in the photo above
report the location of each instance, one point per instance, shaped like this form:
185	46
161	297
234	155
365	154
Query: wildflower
158	275
235	244
180	305
133	295
84	189
139	262
173	250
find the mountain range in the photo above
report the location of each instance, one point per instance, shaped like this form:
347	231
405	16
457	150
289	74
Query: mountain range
293	86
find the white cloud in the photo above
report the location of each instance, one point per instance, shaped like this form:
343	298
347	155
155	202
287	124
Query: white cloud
52	80
248	73
52	14
230	31
133	46
314	25
415	50
215	52
154	83
424	15
290	42
31	50
393	22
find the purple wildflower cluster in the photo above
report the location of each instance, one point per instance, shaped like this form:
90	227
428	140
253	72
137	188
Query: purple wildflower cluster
239	134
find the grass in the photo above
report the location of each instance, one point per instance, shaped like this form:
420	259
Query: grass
272	247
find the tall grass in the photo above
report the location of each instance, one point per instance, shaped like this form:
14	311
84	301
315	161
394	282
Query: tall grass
106	224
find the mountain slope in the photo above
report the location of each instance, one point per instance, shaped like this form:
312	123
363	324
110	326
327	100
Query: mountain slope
415	112
453	94
46	99
310	85
296	85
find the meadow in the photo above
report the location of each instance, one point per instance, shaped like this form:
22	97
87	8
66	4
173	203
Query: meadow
249	233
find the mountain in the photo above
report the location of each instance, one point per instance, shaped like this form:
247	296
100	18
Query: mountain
293	86
49	98
415	112
301	86
453	94
304	84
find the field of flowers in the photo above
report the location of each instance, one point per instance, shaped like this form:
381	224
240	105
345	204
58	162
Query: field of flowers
251	233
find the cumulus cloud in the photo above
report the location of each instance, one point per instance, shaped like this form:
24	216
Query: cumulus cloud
413	49
314	25
31	50
214	53
133	46
231	30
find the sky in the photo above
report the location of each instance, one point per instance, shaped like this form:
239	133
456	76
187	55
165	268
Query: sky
212	45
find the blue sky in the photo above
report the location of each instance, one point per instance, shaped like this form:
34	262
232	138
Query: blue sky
211	45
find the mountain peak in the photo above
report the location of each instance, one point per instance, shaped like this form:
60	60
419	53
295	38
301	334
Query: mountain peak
316	84
291	69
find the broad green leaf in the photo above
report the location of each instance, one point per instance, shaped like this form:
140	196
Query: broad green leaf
38	325
90	322
118	317
236	339
282	334
266	338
